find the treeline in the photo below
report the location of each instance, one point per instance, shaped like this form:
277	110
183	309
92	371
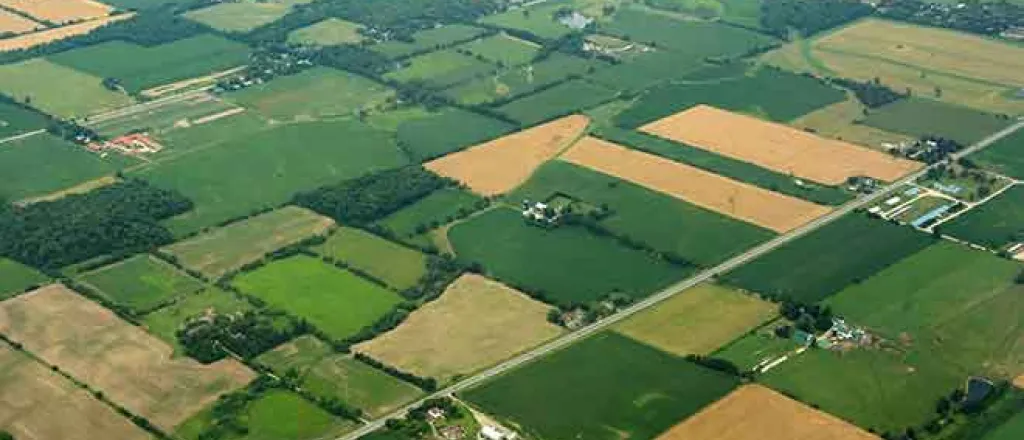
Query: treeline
210	338
809	16
356	59
427	384
360	201
980	17
872	94
117	219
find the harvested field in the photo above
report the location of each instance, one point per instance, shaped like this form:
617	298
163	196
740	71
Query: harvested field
754	412
59	11
499	166
128	365
39	404
778	147
739	200
16	24
479	322
50	35
1019	381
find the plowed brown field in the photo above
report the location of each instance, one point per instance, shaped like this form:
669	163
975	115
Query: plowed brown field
59	11
498	166
36	38
735	199
130	367
754	412
778	147
11	22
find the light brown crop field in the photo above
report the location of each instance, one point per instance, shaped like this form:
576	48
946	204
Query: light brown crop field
498	166
50	35
39	404
11	22
735	199
131	367
778	147
1019	381
477	322
59	11
754	412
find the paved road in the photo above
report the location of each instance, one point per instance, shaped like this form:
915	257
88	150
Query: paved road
674	289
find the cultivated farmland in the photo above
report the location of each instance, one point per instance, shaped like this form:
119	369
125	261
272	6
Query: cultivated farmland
606	387
499	166
16	277
336	301
669	33
503	50
16	24
141	283
427	40
521	80
699	320
566	98
16	120
128	365
242	16
547	263
754	412
1004	156
329	32
778	147
479	322
448	130
430	212
441	69
57	89
40	404
59	11
395	265
735	199
228	248
33	39
43	164
317	93
994	224
161	121
919	117
276	414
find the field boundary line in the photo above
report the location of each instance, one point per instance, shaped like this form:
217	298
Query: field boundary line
19	137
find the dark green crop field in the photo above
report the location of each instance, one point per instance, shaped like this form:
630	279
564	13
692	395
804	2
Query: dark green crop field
42	164
1005	156
994	224
17	120
16	277
427	40
607	387
522	80
920	117
446	131
141	282
430	212
564	99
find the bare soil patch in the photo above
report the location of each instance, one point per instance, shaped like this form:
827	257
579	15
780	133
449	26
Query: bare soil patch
754	412
50	35
131	367
498	166
778	147
476	323
59	11
1019	381
11	22
39	404
735	199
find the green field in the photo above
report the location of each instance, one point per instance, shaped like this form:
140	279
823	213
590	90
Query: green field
1004	156
395	265
566	98
1011	430
768	93
274	163
998	222
725	166
43	164
825	261
317	93
141	283
329	32
139	67
277	414
142	4
197	137
164	323
430	212
919	117
518	81
58	90
606	387
662	222
564	265
537	20
328	374
757	347
742	12
337	302
16	120
441	69
427	40
646	69
503	50
242	16
446	131
16	277
161	121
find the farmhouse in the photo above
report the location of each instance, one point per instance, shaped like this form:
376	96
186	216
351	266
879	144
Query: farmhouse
542	213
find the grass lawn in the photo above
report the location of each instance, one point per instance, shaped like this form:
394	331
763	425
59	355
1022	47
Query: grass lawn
503	50
825	261
329	32
242	16
58	90
16	278
699	320
336	301
276	415
662	222
141	283
994	224
520	80
427	40
441	69
552	263
15	120
564	99
317	93
430	212
606	387
448	130
43	164
394	264
274	162
332	375
919	117
165	322
228	248
1004	156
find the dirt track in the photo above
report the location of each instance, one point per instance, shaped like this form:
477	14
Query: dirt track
754	412
735	199
36	38
778	147
499	166
59	11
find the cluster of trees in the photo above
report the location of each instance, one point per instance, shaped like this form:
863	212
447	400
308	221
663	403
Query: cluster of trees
71	131
4	435
811	318
809	16
415	424
586	313
427	384
717	364
209	338
935	149
118	219
356	59
369	198
981	17
872	94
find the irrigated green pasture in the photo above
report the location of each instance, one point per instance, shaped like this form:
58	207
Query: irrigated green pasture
16	120
317	93
563	265
275	415
662	222
332	375
242	16
918	117
503	50
604	388
441	69
43	164
446	131
825	261
334	300
58	90
521	80
329	32
164	323
1004	156
998	222
16	278
430	212
394	264
564	99
139	67
279	162
141	283
428	39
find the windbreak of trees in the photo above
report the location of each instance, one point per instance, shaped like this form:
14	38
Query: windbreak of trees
354	59
363	200
809	16
872	94
247	334
980	17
